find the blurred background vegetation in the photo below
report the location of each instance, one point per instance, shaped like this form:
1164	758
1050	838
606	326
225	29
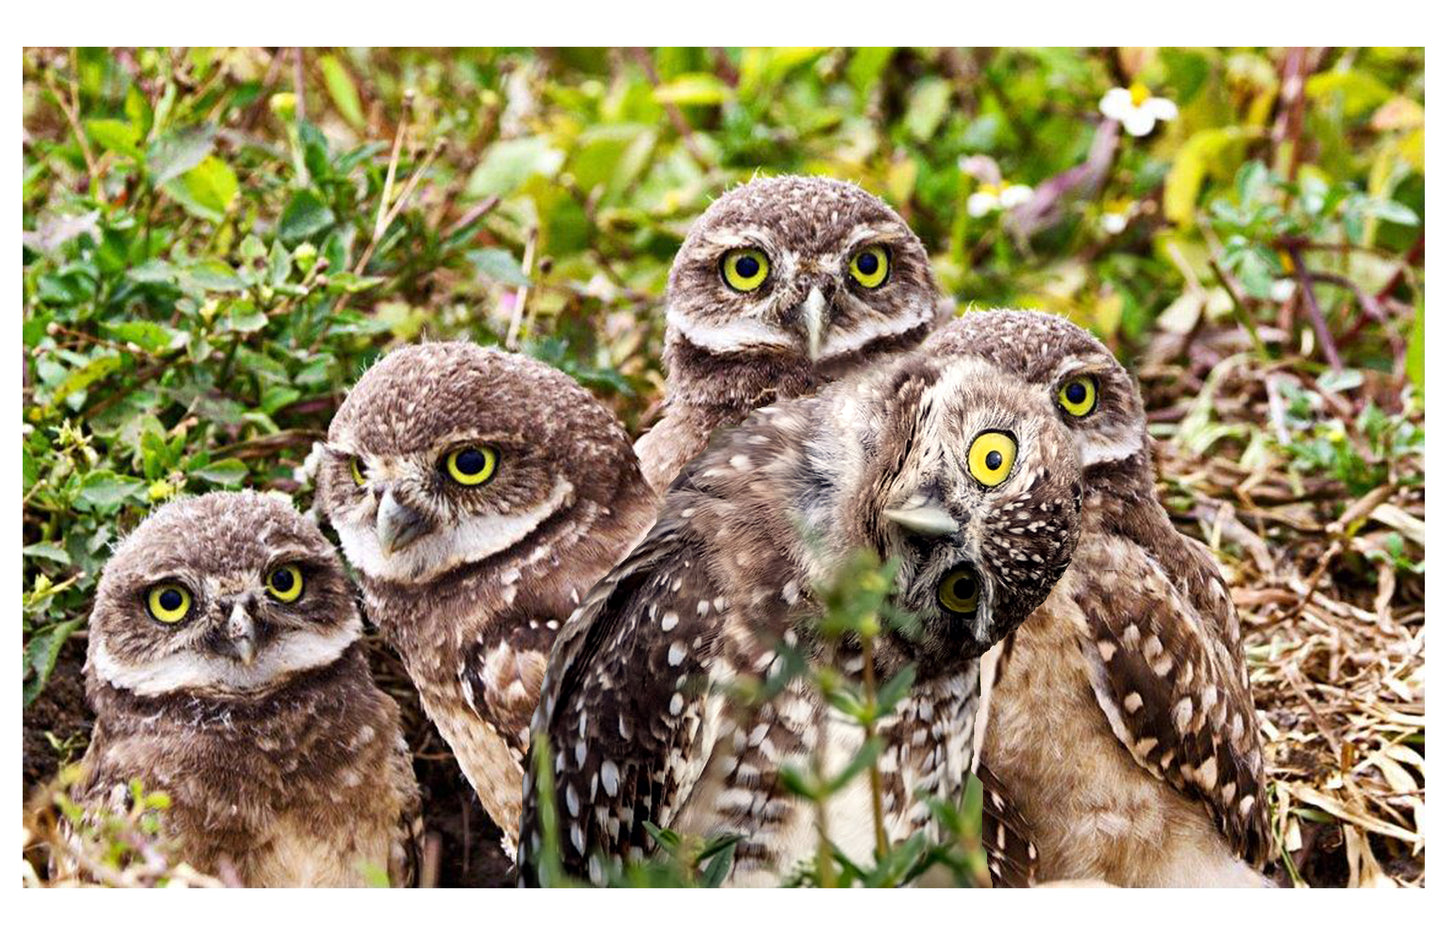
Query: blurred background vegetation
218	241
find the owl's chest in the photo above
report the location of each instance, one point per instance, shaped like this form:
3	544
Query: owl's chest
1050	744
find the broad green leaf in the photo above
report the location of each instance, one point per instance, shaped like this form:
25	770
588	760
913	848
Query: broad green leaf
696	89
47	550
1415	352
172	156
79	379
207	191
1207	152
342	90
228	472
305	216
40	654
498	265
927	106
510	163
148	335
117	136
106	490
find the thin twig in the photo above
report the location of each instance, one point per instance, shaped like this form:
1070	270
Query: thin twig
1317	318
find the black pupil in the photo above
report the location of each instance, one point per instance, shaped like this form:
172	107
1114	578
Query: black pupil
747	266
471	461
1076	393
964	587
282	579
994	460
868	264
171	599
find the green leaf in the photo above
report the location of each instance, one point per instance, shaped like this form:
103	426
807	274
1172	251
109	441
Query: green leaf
117	136
927	106
148	335
107	490
78	380
51	551
207	191
305	216
499	266
174	155
863	759
510	163
698	88
40	654
228	472
1415	352
342	90
1206	152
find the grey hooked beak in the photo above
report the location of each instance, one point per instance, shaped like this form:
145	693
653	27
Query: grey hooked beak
815	311
241	631
928	519
397	525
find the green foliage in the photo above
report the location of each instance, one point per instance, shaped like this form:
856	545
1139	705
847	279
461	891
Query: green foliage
212	254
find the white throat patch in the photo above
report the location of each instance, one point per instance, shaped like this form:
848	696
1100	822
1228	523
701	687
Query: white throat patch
439	551
188	670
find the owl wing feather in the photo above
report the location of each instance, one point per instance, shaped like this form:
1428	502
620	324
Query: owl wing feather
1172	684
619	710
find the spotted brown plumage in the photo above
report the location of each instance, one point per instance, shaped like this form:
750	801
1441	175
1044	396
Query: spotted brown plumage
638	724
810	319
284	762
1120	723
478	494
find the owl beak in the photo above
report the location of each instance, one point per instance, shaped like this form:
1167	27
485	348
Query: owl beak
241	631
398	525
928	519
815	315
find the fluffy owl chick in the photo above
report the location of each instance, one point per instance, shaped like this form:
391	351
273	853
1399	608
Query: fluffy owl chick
1120	719
955	471
783	284
478	494
224	669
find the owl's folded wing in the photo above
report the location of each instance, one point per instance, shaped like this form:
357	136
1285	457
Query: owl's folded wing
620	708
1174	692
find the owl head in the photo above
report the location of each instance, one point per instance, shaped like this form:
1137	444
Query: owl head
789	281
967	480
1084	385
447	455
222	595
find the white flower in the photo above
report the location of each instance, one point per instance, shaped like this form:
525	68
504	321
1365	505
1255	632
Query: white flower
1136	109
990	198
1281	290
1114	222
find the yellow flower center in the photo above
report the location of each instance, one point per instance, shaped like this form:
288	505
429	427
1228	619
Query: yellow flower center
1138	94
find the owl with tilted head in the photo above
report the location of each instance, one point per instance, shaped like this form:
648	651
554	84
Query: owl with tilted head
225	669
782	285
953	471
478	494
1119	721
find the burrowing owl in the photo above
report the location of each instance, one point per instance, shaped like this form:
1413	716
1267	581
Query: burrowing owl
783	284
1120	719
224	669
956	471
478	494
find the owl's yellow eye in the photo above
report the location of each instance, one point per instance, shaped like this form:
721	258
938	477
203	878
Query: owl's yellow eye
284	583
471	465
169	603
1079	396
869	267
745	269
991	457
958	591
357	474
